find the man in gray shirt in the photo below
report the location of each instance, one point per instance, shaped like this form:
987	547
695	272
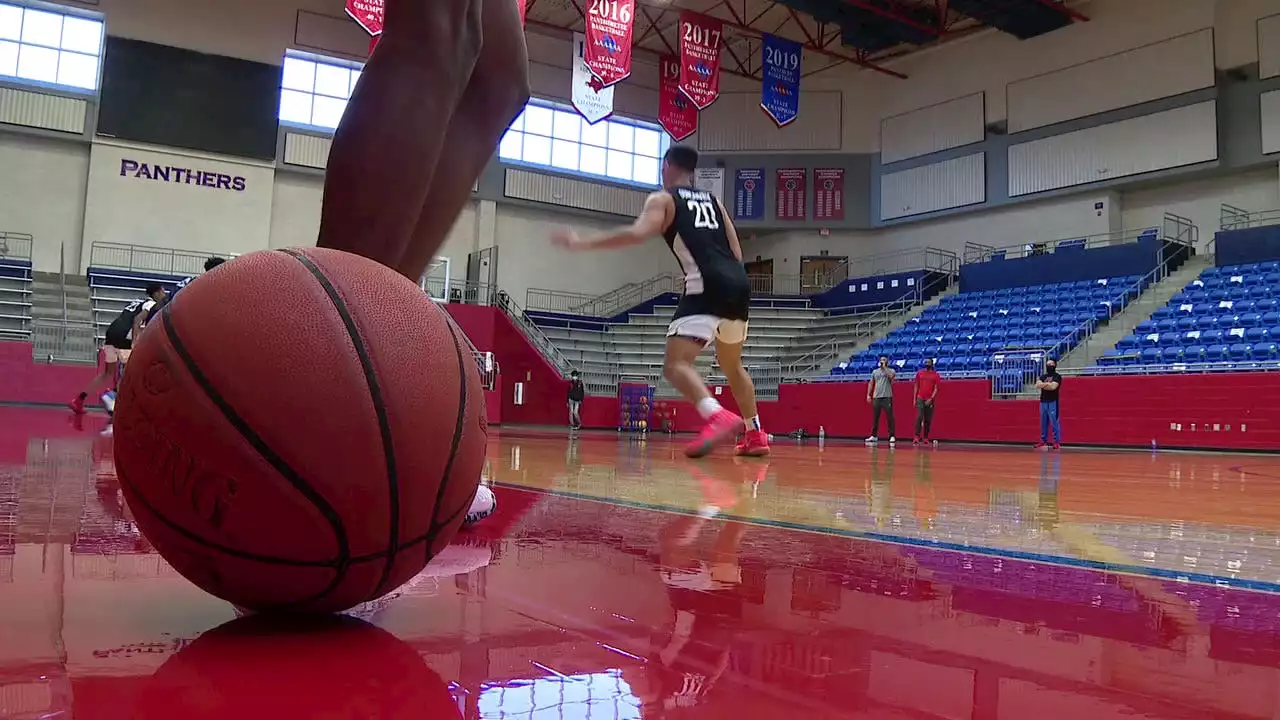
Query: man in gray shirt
880	395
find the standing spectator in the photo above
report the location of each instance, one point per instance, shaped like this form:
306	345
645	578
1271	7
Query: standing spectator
577	392
880	395
1049	385
926	387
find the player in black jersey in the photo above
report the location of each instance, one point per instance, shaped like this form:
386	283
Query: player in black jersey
209	264
716	299
119	341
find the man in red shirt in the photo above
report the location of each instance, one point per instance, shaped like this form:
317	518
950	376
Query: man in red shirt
926	387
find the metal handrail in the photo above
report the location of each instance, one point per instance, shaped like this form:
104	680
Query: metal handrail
978	252
144	258
1231	217
15	246
534	333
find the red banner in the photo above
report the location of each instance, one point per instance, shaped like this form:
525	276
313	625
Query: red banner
609	28
676	114
793	189
373	43
523	9
700	38
368	14
828	194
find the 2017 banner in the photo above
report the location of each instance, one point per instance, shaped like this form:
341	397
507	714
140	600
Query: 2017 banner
368	14
676	114
700	39
780	83
610	24
828	194
591	99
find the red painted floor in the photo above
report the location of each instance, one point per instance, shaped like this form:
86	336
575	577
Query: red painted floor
618	580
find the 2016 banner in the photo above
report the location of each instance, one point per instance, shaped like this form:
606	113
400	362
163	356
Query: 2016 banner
780	83
700	38
676	114
828	194
593	101
368	14
609	32
793	189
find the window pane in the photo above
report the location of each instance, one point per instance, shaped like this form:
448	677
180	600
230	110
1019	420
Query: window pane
644	169
355	78
295	106
509	148
619	165
8	58
537	149
564	155
41	28
333	81
10	22
327	111
567	126
597	134
537	120
620	137
648	142
78	70
592	160
298	74
518	123
38	63
81	35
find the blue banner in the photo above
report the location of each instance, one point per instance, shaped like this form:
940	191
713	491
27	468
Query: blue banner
748	194
780	87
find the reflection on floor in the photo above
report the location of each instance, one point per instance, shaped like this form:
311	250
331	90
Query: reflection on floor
619	580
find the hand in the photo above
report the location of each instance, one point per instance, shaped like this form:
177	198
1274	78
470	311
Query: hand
565	238
868	398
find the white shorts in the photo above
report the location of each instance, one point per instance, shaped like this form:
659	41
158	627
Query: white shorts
709	327
112	354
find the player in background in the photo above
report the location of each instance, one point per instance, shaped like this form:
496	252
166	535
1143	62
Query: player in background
445	82
115	352
715	302
209	264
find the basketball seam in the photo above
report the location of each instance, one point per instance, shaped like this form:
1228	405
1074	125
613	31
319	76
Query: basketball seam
459	426
379	409
292	476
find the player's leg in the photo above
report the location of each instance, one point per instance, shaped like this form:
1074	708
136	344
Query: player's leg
110	359
686	337
730	336
386	150
497	93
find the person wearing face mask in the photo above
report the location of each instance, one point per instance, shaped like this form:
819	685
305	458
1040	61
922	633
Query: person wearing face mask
926	387
880	396
1049	384
577	393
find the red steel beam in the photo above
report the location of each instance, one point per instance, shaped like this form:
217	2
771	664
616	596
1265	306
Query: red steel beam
1062	8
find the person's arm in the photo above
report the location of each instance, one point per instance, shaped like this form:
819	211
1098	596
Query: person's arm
730	231
1053	384
871	386
652	221
140	320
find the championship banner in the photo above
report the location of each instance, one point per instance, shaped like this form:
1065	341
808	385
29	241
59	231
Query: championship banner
748	194
700	38
793	189
676	114
368	14
610	24
828	194
710	179
592	101
780	83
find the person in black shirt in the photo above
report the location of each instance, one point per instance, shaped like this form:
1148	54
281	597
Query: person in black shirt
209	264
715	302
118	343
577	392
1049	385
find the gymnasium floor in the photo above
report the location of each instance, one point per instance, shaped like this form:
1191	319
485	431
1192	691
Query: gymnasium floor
619	580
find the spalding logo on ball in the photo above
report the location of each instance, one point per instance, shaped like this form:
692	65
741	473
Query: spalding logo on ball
300	430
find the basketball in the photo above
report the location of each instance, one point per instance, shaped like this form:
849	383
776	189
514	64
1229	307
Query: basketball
300	430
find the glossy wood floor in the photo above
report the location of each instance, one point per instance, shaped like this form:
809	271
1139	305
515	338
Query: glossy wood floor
618	580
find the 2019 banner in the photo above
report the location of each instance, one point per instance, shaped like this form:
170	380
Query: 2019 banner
676	114
780	84
609	29
700	39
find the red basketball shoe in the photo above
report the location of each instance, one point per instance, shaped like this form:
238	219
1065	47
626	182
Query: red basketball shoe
722	426
754	444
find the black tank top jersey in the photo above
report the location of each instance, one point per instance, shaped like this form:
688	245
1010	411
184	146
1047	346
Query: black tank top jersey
120	328
715	282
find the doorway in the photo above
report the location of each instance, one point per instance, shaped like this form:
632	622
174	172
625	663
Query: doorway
822	272
760	273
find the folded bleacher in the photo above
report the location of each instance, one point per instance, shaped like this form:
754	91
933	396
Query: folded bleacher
965	332
1228	315
15	298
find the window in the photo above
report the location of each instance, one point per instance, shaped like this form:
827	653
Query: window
314	89
556	136
50	47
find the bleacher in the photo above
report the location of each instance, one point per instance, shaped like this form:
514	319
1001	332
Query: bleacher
968	332
1226	315
16	286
